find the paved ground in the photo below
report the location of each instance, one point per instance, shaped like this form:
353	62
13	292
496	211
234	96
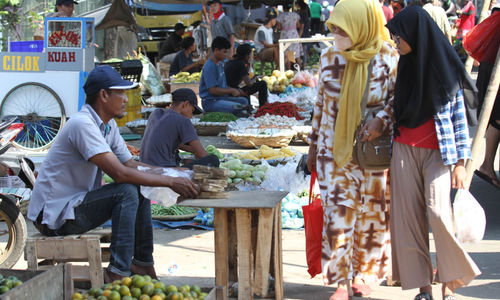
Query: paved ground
193	253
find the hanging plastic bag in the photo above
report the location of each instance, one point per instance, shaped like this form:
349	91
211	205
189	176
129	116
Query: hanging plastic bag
479	39
313	225
470	220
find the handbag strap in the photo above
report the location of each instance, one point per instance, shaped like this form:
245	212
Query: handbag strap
367	89
314	176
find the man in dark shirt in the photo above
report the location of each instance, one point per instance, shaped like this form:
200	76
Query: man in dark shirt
183	61
172	45
169	130
237	70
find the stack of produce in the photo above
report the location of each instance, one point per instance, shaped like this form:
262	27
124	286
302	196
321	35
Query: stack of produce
185	77
142	288
212	181
265	121
218	117
304	78
267	153
282	109
278	81
211	149
240	172
8	283
174	210
133	150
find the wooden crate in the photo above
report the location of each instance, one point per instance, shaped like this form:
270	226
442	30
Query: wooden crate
40	285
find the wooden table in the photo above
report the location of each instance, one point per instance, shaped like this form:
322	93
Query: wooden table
248	246
285	43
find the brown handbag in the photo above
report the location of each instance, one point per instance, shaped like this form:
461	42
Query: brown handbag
374	154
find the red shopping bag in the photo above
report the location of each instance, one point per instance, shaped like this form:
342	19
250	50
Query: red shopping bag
477	41
313	224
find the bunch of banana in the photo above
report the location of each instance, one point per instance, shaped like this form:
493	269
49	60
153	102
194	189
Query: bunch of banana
184	77
268	153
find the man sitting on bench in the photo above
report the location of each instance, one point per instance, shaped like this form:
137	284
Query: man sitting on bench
68	197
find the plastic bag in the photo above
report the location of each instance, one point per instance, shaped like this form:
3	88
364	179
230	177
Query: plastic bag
470	220
150	78
163	195
479	39
313	225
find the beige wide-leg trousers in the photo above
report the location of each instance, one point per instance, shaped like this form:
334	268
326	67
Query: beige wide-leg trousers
420	196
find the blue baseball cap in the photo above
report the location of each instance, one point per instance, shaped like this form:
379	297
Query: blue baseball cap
106	77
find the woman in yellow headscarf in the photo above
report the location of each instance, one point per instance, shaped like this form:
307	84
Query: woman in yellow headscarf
356	242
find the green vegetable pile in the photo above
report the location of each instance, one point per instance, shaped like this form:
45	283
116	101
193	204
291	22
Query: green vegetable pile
218	117
174	210
239	172
212	150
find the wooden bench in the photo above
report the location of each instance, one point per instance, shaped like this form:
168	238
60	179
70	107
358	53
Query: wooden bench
85	247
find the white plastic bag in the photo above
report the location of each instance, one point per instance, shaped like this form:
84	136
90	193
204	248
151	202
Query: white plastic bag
163	195
470	220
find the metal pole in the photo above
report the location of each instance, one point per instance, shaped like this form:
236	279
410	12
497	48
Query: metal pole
484	10
484	117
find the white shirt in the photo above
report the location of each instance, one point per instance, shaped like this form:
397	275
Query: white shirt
268	34
67	173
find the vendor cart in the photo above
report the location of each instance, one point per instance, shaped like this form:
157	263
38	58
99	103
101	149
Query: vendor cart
45	88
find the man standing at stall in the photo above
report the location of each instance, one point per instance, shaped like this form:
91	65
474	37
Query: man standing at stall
68	197
170	129
221	24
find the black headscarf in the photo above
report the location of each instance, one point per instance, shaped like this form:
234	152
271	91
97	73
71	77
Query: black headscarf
430	75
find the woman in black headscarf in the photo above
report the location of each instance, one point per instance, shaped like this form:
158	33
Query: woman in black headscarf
431	144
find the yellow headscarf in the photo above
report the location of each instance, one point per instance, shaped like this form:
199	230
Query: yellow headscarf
363	21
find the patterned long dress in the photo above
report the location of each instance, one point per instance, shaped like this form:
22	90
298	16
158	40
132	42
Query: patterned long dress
356	239
289	21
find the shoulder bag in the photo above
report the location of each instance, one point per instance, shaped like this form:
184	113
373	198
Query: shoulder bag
374	154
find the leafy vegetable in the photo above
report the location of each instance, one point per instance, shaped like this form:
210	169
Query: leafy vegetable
175	209
218	117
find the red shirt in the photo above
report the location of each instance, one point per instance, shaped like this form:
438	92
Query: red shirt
423	136
388	13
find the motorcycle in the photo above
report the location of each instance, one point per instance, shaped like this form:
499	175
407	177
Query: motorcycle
13	230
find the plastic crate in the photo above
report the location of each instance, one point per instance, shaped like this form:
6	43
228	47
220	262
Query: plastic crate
131	113
26	46
129	69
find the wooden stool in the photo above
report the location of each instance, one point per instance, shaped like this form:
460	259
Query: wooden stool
248	245
71	248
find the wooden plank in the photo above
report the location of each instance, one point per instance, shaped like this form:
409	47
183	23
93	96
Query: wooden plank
232	247
51	282
95	264
30	254
263	251
245	271
278	254
61	249
221	251
68	281
237	199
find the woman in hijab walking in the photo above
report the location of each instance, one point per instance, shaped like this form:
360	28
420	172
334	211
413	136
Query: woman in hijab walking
431	144
355	244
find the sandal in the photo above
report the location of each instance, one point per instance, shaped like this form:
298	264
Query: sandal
340	294
423	296
361	290
449	297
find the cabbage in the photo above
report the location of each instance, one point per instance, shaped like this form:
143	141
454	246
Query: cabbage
256	180
232	174
229	181
237	180
234	164
243	174
259	174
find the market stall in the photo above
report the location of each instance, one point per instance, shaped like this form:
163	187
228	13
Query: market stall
45	88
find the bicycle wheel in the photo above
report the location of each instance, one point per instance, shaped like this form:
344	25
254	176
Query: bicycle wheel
40	109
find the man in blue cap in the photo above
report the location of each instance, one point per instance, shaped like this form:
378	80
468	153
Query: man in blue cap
68	197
